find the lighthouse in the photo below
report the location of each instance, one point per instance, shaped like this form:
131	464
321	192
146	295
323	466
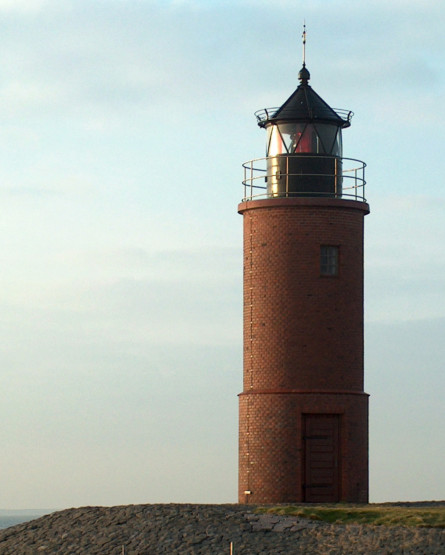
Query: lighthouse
303	420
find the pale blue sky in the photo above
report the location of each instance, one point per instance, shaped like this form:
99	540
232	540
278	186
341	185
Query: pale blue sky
123	126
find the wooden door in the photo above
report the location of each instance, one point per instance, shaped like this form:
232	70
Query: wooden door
321	444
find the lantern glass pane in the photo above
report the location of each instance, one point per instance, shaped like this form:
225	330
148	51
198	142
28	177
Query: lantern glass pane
276	145
327	139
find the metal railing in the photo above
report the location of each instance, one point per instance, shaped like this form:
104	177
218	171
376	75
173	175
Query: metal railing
267	114
257	174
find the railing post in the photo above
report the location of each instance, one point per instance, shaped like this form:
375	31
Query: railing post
287	176
355	182
336	178
364	180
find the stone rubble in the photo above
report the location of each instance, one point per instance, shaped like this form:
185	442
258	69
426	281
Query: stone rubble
187	529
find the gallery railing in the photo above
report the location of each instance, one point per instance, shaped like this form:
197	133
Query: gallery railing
304	176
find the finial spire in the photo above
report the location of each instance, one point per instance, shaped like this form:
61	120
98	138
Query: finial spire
304	74
304	43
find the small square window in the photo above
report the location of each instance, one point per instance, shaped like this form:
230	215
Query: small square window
328	260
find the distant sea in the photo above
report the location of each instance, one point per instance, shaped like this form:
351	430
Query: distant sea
12	518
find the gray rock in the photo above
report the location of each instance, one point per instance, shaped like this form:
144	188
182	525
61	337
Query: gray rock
205	529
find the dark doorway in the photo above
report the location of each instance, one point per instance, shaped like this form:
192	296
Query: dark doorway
321	443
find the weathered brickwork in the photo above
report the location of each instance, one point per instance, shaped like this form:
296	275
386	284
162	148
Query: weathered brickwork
303	344
271	450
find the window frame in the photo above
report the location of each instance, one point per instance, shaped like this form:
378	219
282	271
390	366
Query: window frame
329	260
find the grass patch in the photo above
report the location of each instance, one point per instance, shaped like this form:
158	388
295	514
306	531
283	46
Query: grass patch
378	515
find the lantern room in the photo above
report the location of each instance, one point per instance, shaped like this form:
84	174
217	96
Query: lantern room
304	144
305	124
304	150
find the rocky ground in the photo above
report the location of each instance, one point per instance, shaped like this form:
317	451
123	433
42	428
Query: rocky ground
206	529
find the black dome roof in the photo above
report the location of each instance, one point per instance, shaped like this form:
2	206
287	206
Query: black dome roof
305	105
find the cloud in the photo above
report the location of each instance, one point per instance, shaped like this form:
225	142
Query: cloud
124	126
404	258
17	96
131	297
123	362
23	6
101	62
403	362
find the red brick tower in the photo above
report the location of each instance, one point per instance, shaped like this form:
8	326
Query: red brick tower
303	411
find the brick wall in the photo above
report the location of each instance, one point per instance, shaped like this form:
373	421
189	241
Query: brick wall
303	342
